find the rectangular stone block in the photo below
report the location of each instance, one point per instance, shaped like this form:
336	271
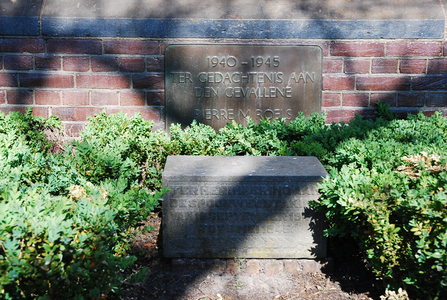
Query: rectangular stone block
253	207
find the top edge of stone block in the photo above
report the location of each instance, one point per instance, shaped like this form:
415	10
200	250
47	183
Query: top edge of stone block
245	19
20	17
228	168
247	9
20	8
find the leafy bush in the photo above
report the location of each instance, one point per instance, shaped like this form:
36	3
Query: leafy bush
387	189
29	128
65	218
53	246
396	219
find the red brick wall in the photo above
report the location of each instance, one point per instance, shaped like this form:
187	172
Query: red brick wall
409	76
76	78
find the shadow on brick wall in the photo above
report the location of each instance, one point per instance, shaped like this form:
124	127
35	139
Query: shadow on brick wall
76	78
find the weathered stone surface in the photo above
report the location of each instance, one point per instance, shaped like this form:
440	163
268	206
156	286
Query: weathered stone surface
225	19
222	207
246	9
218	84
20	17
246	19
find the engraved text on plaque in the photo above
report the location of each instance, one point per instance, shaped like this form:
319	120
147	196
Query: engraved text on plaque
216	84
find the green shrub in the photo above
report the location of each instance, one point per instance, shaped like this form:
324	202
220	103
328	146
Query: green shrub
398	218
52	246
29	128
65	219
387	189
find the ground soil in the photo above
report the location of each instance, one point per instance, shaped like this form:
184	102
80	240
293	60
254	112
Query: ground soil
349	278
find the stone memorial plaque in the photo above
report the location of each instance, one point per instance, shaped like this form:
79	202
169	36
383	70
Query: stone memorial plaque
223	207
216	84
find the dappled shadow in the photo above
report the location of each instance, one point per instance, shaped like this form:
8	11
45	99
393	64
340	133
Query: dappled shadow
242	205
238	207
365	71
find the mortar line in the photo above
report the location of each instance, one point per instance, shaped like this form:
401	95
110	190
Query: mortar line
445	20
40	17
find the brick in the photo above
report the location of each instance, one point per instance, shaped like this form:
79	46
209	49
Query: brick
387	98
2	97
7	109
160	125
403	113
383	83
357	49
132	99
359	100
331	99
178	264
252	267
132	64
436	100
75	113
291	267
18	62
309	266
22	45
74	46
131	47
437	66
47	97
155	64
356	66
37	111
413	49
46	80
273	267
75	98
155	98
104	64
197	265
413	66
428	113
434	83
73	129
384	66
146	81
52	63
410	100
19	97
339	83
233	267
103	81
148	113
104	98
346	115
216	266
324	46
8	80
40	111
332	66
76	63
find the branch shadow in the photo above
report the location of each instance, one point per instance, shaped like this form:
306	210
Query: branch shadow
425	90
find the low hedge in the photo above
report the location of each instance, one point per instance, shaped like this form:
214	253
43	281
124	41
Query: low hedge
65	218
387	190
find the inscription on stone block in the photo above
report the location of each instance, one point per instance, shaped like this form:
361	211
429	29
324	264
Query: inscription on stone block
216	84
242	207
